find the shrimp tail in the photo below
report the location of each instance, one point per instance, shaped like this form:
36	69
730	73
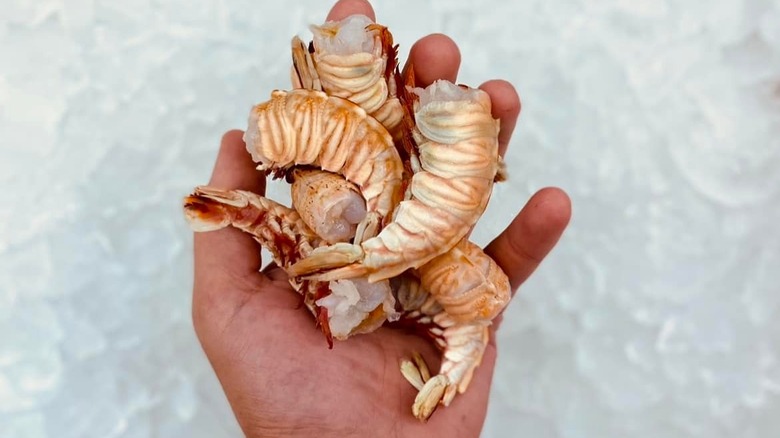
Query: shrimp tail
205	210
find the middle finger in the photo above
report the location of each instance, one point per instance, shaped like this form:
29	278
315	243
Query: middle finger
433	57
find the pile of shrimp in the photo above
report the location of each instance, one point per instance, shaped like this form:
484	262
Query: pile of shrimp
387	183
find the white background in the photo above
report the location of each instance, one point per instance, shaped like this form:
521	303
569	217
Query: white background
658	315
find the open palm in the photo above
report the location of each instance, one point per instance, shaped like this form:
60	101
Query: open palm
275	366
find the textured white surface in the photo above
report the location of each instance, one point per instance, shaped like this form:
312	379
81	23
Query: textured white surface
658	314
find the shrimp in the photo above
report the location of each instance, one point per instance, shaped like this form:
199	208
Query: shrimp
354	59
462	344
468	283
455	164
305	127
341	308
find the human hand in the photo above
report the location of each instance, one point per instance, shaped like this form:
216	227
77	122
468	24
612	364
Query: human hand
275	367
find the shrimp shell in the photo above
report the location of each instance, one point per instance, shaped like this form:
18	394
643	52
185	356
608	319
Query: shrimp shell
364	73
456	165
462	344
305	127
467	283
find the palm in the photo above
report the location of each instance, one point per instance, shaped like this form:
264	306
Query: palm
355	388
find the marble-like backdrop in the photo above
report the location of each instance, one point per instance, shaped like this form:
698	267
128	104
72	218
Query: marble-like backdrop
657	316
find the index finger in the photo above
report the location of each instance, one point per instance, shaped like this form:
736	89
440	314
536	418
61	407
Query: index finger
506	108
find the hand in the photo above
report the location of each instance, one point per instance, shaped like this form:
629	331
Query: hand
275	366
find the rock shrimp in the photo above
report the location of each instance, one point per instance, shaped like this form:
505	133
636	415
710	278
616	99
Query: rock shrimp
354	59
468	283
462	344
455	163
305	127
341	308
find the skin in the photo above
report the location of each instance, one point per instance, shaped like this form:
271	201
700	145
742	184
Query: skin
274	365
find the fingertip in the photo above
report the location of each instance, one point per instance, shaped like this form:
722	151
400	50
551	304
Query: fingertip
550	210
233	136
344	8
232	146
506	107
435	56
504	96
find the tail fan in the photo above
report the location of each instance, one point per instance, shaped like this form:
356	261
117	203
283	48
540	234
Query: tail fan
206	209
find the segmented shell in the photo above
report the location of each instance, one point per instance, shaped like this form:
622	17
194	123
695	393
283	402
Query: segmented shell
458	161
305	127
354	59
467	283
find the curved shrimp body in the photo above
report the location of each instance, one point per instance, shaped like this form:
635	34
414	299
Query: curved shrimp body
342	308
468	283
353	59
455	165
305	127
457	147
462	343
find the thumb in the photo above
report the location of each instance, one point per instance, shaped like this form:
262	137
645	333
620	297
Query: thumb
227	261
